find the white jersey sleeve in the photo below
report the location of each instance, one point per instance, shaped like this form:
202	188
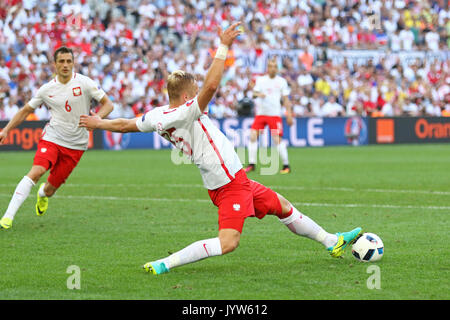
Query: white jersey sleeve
38	98
163	118
94	90
146	123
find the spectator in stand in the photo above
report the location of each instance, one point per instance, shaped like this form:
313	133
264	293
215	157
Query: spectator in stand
432	40
11	108
407	39
305	80
411	107
332	109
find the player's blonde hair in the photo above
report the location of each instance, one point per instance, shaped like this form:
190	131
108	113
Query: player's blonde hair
177	81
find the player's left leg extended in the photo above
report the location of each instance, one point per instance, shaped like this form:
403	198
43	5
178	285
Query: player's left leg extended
267	201
304	226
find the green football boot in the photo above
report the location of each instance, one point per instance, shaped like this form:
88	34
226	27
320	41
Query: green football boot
344	240
5	223
41	203
156	267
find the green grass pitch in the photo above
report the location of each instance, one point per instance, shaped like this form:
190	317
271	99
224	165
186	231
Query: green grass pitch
119	210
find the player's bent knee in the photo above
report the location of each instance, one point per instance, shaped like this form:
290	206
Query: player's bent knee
229	240
229	246
286	206
36	173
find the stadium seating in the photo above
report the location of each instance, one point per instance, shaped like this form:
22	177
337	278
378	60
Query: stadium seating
129	47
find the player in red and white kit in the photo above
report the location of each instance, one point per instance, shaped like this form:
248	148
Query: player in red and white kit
269	91
185	123
62	144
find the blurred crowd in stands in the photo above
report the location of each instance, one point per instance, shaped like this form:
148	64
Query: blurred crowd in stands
129	48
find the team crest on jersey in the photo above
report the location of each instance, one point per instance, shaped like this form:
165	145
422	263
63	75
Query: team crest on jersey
236	207
76	91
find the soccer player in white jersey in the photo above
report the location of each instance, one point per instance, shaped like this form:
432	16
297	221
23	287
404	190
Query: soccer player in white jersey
269	91
185	123
62	144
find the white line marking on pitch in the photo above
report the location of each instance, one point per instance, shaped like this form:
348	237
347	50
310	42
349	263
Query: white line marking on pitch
175	185
331	189
306	204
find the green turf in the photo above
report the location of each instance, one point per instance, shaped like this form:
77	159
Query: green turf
119	210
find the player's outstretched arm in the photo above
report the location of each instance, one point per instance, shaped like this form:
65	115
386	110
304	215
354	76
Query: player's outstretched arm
18	118
215	72
115	125
106	107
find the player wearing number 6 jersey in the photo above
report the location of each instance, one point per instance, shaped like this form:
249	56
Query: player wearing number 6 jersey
184	123
62	144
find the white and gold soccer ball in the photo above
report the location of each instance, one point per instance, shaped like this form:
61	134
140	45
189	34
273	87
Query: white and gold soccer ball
368	248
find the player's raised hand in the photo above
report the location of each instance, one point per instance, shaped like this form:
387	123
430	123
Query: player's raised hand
89	122
227	37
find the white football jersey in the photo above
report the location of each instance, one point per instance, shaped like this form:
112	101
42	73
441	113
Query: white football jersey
193	133
66	103
274	89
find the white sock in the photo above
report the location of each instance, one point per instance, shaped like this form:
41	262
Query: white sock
304	226
282	150
20	194
252	152
194	252
41	191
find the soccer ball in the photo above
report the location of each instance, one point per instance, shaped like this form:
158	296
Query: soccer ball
368	248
